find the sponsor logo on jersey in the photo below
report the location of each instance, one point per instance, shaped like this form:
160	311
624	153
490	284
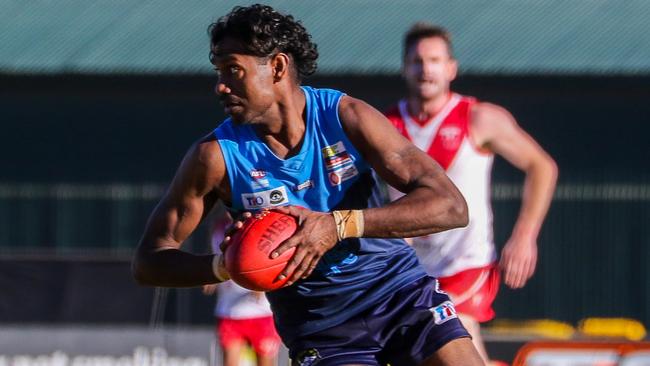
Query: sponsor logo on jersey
257	174
450	136
276	196
443	312
339	160
304	185
259	179
335	156
338	163
332	150
339	176
268	198
260	184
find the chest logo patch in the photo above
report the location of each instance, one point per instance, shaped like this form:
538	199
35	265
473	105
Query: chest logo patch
339	164
259	179
304	185
451	137
339	176
263	199
443	312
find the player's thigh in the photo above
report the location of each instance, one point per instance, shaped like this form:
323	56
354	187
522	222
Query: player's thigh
230	331
267	360
261	334
232	353
458	352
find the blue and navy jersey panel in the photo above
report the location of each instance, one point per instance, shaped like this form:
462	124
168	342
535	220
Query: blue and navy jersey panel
327	173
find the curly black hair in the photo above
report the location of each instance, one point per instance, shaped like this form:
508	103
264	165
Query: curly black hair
263	31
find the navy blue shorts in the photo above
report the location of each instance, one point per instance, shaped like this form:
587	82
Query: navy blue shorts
404	329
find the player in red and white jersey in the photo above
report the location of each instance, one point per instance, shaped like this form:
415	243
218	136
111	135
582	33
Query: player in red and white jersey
243	316
462	135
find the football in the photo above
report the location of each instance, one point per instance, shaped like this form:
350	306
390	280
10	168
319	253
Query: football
247	256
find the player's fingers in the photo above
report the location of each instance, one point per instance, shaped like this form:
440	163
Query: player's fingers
304	270
510	272
312	266
292	265
502	265
224	244
515	280
524	273
519	275
238	223
301	269
289	210
289	243
532	267
506	259
286	245
505	269
527	273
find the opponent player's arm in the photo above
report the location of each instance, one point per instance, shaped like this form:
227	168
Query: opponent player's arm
432	202
495	129
158	260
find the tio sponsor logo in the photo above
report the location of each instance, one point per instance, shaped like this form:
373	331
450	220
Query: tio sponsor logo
269	198
255	201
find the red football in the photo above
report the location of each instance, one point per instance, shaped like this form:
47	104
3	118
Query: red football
248	258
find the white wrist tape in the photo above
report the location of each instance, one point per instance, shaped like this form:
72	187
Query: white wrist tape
218	269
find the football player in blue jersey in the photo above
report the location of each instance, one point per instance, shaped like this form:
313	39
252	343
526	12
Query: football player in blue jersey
356	293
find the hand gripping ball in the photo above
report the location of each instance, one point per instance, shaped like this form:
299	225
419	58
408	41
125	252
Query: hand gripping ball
248	259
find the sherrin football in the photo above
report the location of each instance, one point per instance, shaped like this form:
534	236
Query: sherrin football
248	259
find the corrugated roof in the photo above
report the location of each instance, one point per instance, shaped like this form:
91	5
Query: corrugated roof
354	36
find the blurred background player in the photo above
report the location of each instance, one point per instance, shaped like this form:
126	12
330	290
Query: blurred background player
462	135
243	316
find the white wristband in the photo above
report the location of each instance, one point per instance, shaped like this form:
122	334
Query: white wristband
219	273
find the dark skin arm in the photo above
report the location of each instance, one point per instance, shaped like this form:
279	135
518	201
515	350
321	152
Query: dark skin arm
432	202
193	192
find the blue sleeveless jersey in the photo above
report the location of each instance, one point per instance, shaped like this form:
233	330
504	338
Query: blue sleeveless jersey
327	174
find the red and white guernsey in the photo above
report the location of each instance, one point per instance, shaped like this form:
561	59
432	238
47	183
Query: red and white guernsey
445	137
